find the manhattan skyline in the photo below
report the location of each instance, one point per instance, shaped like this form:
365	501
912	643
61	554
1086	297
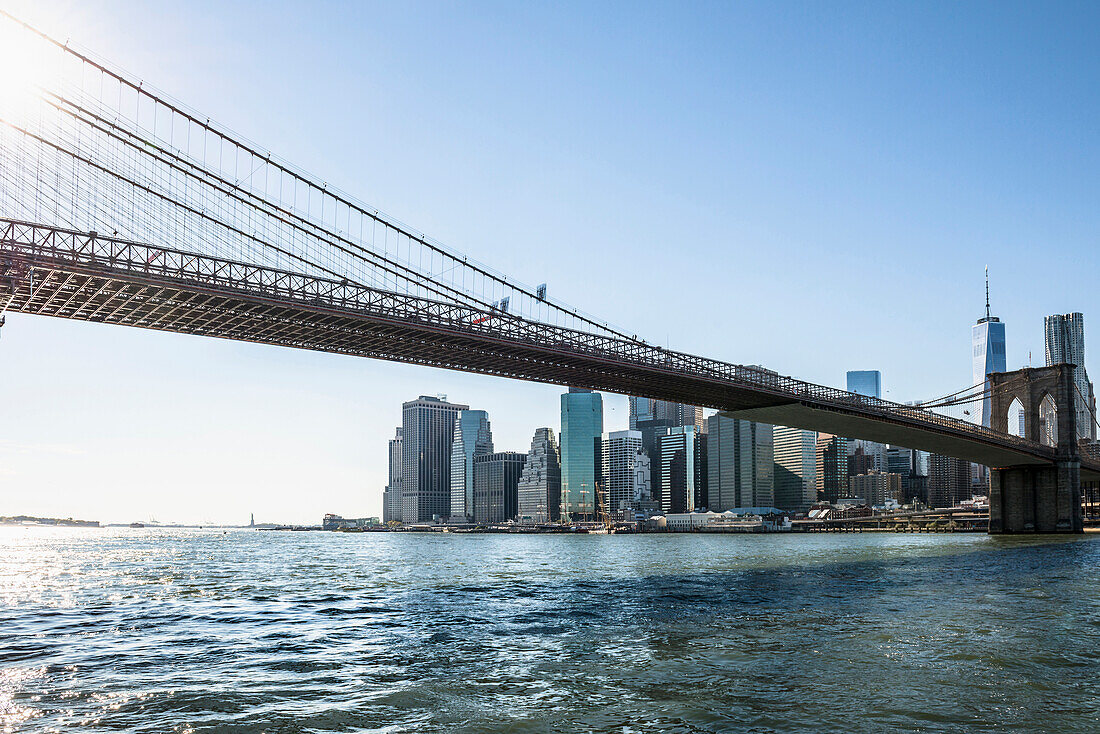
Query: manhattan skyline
808	256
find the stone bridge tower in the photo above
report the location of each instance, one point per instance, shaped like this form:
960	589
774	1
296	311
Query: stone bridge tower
1037	498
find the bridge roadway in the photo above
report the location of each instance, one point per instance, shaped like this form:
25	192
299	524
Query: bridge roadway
53	271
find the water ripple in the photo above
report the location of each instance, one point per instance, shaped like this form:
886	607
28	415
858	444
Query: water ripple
189	631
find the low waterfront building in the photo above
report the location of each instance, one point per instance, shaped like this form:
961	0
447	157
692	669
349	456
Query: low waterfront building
335	522
739	520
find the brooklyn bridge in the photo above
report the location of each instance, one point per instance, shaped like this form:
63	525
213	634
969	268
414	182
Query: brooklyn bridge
122	206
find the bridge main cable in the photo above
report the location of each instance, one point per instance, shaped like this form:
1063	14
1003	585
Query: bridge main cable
250	149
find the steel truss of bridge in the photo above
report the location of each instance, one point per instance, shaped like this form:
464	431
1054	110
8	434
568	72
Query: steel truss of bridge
53	271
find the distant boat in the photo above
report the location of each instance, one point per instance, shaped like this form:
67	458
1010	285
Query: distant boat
137	524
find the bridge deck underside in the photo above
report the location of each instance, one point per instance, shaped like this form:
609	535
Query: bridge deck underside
66	275
151	302
843	423
797	415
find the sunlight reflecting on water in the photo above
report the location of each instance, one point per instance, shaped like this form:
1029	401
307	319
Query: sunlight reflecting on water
179	630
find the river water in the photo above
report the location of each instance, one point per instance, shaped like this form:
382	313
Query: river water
199	631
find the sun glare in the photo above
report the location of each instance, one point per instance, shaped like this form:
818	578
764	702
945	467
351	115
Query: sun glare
29	65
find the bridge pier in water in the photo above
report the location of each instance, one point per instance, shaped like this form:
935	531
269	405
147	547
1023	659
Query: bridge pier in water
1037	498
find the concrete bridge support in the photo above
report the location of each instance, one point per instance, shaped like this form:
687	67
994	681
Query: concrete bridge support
1037	498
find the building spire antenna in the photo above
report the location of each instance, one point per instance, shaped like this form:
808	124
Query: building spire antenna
987	315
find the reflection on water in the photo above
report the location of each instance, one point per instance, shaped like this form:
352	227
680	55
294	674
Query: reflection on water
157	630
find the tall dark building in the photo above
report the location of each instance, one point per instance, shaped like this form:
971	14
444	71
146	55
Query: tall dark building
832	467
912	466
740	463
861	462
427	433
683	469
496	486
948	481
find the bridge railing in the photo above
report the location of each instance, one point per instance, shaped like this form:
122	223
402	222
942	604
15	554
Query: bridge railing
49	246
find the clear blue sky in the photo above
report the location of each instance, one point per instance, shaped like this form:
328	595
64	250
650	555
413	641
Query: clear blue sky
812	187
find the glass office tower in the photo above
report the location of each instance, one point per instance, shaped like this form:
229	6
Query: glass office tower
473	437
581	428
988	350
865	382
869	383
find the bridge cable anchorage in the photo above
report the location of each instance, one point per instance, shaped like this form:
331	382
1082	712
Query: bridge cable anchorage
182	133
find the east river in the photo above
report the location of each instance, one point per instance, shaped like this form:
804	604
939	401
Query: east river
198	631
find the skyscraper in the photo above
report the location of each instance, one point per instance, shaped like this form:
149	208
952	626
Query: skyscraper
651	417
948	481
740	463
618	476
496	486
427	434
391	496
869	383
1064	335
472	437
876	487
913	467
682	469
865	382
832	467
581	428
677	414
539	487
988	341
795	452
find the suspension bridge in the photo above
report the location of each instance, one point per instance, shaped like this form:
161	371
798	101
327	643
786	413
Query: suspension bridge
119	205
